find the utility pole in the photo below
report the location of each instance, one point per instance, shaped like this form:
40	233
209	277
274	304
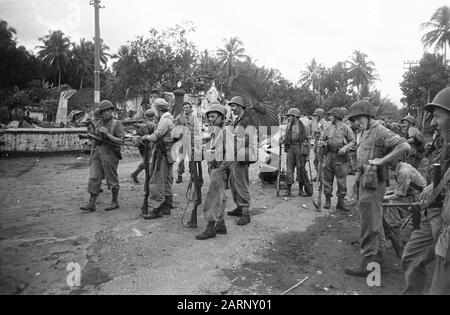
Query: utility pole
97	6
408	64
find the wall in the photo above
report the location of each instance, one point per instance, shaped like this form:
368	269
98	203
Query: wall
42	140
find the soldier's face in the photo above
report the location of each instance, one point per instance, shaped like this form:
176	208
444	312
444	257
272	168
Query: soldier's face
106	114
405	124
332	118
361	121
187	109
236	110
441	119
214	118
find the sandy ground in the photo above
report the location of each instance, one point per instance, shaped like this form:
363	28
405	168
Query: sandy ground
42	231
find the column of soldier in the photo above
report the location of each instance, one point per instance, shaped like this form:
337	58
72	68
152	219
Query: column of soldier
350	142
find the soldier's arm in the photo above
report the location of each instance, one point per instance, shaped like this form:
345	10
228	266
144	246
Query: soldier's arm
117	135
161	130
392	140
350	137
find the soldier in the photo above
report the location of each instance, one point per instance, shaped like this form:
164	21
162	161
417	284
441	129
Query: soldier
185	119
415	140
215	200
161	168
372	150
410	184
319	125
105	158
147	129
352	163
431	241
296	144
245	153
337	139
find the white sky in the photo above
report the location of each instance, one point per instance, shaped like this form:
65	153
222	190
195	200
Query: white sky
283	34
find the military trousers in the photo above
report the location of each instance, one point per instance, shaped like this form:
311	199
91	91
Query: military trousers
161	181
103	164
440	284
371	218
394	216
296	161
419	252
236	173
335	165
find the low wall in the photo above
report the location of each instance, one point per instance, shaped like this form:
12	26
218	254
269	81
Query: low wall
42	140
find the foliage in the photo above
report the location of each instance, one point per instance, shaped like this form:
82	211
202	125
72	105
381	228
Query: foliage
439	31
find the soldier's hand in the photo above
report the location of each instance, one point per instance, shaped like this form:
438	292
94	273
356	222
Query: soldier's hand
376	162
103	131
426	194
343	151
146	138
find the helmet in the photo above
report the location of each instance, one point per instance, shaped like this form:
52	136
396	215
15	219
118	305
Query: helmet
319	112
360	108
409	119
336	112
294	112
161	104
216	108
238	100
105	105
441	100
149	113
344	111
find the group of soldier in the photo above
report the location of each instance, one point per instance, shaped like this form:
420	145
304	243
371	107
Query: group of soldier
348	142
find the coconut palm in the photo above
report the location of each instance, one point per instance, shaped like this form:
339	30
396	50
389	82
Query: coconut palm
439	35
55	51
361	72
312	77
229	55
83	60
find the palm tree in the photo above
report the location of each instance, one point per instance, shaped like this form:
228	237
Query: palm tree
439	35
361	72
229	55
84	60
312	77
55	51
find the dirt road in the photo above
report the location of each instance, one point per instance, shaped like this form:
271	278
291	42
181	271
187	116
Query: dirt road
42	231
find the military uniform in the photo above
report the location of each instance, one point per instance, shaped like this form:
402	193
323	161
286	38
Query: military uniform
188	122
297	148
318	128
335	138
414	156
161	167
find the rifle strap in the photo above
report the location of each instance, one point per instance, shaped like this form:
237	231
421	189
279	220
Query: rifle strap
438	190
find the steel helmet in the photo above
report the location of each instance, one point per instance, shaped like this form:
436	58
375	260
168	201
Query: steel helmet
149	113
105	105
409	119
360	108
294	112
336	112
319	112
238	100
216	108
441	100
161	104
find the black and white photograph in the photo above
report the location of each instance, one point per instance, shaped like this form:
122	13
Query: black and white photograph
225	154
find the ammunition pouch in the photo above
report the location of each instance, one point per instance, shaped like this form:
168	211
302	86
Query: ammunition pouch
166	149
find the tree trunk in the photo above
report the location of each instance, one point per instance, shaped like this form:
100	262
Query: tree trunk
59	78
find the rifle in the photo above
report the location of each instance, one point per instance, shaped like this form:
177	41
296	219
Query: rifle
196	182
147	178
279	168
90	136
318	205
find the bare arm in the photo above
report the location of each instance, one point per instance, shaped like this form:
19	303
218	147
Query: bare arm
398	151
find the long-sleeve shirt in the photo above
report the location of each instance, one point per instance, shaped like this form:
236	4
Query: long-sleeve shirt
406	175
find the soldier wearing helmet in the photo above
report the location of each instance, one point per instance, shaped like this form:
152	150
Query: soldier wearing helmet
377	146
225	168
296	145
336	142
434	234
147	128
318	126
161	172
415	139
105	158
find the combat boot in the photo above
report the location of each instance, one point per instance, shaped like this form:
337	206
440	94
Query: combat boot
244	220
235	213
361	269
179	179
209	232
301	193
288	191
221	227
309	190
341	205
154	214
327	203
114	202
91	204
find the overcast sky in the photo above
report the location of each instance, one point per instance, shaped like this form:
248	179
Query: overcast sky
282	34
